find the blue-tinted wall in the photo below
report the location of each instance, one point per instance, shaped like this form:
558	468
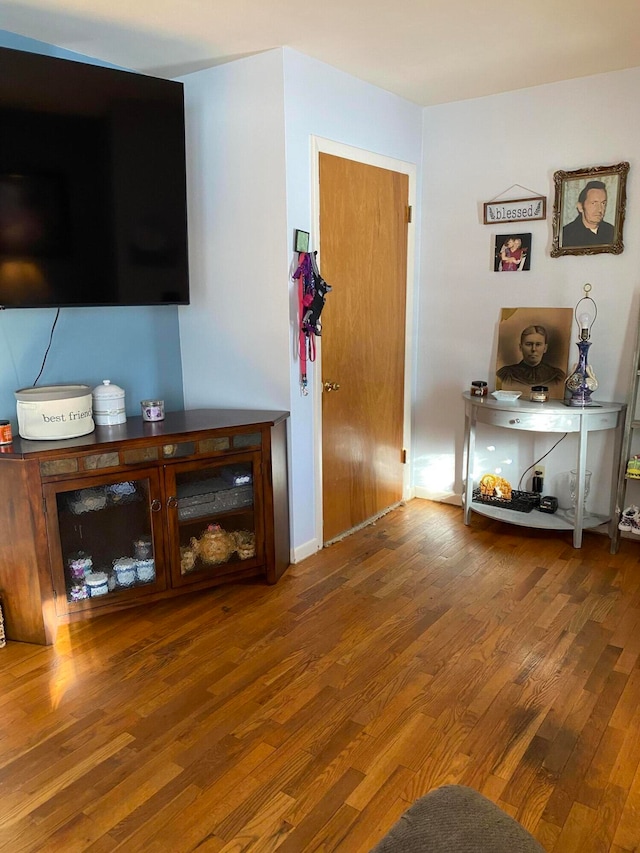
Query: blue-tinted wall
136	348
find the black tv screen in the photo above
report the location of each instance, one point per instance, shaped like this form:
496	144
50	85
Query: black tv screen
92	185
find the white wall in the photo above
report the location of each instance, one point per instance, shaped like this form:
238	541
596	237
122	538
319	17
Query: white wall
322	101
473	151
249	129
234	335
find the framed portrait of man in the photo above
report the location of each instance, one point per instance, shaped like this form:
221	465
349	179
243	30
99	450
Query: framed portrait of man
533	349
589	209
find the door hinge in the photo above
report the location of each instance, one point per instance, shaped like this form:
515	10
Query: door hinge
44	506
404	456
409	213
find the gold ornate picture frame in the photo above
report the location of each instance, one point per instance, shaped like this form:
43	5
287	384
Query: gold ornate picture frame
589	209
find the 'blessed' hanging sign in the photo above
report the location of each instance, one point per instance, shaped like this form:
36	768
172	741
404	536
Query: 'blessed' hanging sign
515	210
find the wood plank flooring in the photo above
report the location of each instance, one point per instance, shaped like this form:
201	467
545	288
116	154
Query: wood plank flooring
308	716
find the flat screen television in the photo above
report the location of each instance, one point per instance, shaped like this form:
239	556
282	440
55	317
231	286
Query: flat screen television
92	185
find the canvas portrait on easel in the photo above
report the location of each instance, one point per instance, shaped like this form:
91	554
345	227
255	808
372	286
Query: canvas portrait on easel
533	349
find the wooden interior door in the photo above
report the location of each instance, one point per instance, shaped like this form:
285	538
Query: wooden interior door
363	248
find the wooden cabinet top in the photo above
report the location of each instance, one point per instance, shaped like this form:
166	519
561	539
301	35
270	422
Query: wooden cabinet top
175	424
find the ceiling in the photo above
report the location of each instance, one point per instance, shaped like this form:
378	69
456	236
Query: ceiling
426	51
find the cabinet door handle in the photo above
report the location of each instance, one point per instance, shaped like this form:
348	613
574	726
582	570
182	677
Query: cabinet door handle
156	505
172	502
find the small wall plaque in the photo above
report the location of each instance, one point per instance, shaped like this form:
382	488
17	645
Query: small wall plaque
301	241
515	210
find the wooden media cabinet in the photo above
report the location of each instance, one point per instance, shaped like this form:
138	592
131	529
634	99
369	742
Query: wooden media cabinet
140	511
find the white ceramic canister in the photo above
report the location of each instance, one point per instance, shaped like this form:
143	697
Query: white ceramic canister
97	583
146	570
54	412
125	569
108	404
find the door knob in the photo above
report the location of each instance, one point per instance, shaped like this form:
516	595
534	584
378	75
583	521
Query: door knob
331	386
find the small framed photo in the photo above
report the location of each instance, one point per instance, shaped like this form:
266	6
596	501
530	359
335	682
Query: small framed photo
301	241
512	253
589	209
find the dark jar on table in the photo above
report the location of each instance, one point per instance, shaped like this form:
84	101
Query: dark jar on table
479	388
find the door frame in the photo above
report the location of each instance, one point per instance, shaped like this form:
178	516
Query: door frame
320	145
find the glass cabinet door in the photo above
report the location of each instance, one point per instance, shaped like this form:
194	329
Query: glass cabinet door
106	539
215	518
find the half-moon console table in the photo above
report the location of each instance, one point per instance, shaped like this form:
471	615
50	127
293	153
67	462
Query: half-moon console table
552	416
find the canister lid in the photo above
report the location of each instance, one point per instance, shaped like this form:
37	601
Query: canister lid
96	578
46	393
107	390
124	564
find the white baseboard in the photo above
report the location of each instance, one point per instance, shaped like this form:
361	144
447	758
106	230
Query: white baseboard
449	498
308	549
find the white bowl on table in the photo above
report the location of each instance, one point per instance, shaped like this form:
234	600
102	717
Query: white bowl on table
506	396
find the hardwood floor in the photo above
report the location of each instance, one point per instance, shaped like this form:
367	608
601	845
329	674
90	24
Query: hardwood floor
308	716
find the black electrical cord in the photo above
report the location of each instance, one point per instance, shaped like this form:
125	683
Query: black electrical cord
44	360
538	461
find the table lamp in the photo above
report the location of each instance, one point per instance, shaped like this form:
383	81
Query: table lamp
582	382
